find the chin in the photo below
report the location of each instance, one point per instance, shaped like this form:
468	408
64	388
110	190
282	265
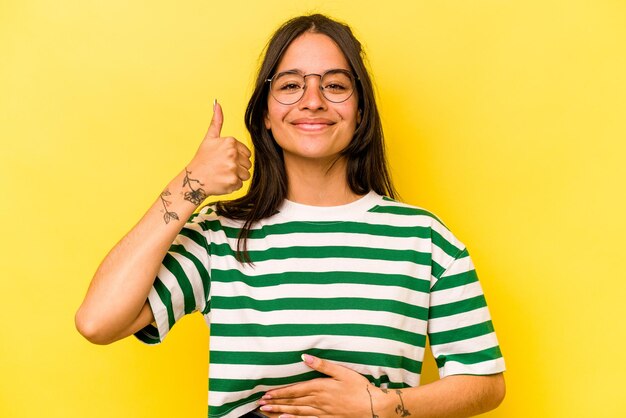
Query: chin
313	156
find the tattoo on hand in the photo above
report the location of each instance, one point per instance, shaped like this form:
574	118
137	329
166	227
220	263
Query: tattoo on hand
400	408
168	216
195	196
371	403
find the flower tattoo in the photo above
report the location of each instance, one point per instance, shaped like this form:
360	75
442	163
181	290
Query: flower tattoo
168	215
195	196
400	410
371	402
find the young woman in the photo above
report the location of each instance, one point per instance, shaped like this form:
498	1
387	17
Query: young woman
319	288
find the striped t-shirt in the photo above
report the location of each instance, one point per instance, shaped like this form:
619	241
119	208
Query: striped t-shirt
362	285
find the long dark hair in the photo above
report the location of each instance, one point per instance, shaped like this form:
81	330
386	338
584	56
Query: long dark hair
365	155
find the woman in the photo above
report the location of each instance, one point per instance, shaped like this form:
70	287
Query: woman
319	288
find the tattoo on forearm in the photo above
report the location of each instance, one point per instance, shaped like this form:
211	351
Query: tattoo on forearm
195	196
168	215
371	402
400	410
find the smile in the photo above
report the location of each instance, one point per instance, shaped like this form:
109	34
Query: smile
312	124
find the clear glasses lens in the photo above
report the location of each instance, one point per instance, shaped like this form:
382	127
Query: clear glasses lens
337	86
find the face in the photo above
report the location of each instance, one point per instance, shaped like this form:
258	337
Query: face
314	128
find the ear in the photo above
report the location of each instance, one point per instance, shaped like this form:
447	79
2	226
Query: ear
268	124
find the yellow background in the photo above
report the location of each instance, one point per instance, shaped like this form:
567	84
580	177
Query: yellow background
505	118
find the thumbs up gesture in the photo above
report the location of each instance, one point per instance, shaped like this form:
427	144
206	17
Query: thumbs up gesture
221	164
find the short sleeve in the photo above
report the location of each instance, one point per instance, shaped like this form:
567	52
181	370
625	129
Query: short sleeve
182	285
460	331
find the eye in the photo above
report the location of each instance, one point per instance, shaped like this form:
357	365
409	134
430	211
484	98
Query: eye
289	86
336	82
335	87
288	83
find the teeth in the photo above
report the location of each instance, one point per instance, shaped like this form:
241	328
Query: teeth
312	126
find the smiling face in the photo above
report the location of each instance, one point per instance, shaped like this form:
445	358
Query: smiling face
314	129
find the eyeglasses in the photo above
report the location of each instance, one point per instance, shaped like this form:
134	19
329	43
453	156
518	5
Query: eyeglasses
336	85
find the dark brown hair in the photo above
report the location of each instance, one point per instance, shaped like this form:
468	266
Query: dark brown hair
365	155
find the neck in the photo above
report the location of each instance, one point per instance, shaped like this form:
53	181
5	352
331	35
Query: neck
315	184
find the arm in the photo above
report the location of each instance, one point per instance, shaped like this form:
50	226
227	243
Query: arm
450	397
116	302
348	394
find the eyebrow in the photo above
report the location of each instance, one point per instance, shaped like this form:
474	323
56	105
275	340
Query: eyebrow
299	71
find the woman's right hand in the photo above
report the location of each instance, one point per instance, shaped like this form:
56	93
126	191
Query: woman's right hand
221	164
115	305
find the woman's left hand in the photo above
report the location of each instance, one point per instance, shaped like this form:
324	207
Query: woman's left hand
345	393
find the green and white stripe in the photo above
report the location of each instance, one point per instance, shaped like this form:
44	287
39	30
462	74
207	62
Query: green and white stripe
362	285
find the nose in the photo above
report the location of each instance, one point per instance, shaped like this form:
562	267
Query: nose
312	97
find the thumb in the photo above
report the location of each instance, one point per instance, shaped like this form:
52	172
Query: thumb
330	369
215	128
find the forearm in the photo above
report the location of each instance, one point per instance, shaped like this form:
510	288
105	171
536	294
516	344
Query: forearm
119	289
451	397
115	305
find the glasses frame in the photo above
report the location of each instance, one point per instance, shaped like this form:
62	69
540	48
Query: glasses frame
353	79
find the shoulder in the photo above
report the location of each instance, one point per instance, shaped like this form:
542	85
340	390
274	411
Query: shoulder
421	220
208	218
398	210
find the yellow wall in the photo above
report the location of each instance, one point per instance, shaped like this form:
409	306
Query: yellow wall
506	118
